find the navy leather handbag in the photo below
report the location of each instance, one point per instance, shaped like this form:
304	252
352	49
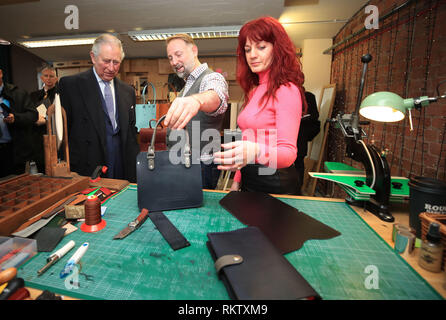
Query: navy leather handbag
168	179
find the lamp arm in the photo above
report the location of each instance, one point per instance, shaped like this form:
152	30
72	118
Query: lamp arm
418	103
424	101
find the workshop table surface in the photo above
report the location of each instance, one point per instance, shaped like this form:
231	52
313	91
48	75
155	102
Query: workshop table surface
358	264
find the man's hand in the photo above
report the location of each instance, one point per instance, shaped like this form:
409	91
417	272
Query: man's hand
41	121
9	119
181	111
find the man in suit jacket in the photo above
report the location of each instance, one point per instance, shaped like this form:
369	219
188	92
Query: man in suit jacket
17	116
101	114
309	129
44	96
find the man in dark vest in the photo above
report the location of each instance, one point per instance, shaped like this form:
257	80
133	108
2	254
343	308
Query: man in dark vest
101	114
200	104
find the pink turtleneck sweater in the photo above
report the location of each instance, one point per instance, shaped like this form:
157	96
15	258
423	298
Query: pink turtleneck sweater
273	126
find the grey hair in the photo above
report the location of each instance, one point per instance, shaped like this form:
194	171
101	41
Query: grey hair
46	67
106	39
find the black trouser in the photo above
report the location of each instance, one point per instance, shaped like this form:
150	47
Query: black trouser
7	165
282	181
209	175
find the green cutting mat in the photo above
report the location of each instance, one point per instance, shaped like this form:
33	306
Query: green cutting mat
143	266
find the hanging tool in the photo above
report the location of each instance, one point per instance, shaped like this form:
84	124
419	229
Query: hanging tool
132	226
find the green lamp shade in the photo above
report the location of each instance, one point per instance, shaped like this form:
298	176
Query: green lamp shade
385	106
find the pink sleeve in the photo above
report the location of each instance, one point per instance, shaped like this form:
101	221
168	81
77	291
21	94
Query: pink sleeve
281	150
238	176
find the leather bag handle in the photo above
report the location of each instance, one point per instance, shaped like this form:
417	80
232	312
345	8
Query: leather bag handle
151	148
144	93
150	123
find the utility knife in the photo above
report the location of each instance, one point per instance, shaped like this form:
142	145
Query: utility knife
132	226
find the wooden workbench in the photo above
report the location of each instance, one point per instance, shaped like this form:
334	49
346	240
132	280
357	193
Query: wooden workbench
384	229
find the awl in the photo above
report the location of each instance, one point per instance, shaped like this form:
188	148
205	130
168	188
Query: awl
52	259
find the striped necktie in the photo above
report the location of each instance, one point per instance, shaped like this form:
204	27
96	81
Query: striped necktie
108	97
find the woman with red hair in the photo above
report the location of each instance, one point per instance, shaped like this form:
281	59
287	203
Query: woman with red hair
270	75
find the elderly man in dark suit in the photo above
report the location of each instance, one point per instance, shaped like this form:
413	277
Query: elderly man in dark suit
101	114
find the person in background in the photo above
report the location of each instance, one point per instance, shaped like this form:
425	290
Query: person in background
270	75
309	129
42	99
17	115
203	100
101	114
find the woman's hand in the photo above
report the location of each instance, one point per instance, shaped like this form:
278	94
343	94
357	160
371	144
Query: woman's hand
236	155
235	186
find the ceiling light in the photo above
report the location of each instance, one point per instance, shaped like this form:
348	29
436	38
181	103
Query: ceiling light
4	42
196	33
77	40
313	21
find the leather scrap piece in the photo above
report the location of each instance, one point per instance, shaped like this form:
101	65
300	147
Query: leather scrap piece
285	226
169	232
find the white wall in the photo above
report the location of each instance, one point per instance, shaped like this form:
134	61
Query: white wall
316	66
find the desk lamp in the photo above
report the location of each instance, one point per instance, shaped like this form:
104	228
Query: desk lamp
386	106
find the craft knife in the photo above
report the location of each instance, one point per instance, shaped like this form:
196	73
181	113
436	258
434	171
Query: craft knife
132	226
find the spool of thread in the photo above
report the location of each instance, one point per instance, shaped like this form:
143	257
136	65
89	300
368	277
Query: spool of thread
93	221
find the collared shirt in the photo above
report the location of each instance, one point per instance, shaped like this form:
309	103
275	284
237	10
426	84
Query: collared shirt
6	136
102	86
213	81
